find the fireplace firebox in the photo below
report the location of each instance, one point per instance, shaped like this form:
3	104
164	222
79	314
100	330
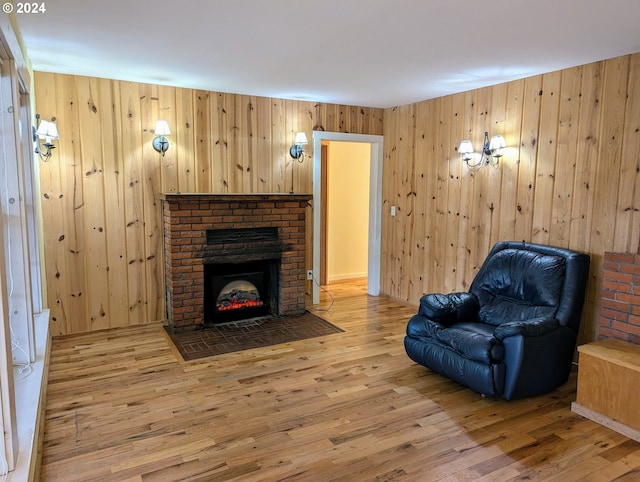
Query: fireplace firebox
238	291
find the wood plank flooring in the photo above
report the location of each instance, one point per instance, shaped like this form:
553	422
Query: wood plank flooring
351	406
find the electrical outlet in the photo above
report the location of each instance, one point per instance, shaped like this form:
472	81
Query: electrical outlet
310	274
393	210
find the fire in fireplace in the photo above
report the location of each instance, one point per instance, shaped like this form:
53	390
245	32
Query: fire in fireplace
238	295
237	291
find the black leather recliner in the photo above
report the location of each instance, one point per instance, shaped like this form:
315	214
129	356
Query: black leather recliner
513	335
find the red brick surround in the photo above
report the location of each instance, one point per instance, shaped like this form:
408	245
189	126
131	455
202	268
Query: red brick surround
620	300
187	217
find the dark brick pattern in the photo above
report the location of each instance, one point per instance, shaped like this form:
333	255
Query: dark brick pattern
186	219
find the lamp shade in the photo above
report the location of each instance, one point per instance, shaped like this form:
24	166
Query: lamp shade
497	142
162	128
465	147
47	130
301	138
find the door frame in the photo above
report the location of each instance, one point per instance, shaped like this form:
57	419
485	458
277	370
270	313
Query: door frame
375	205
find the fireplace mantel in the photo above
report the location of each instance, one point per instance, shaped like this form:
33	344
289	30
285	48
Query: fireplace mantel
239	197
188	217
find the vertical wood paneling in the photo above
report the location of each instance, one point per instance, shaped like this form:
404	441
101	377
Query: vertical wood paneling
279	152
495	126
463	280
93	202
238	162
480	208
628	215
166	110
134	201
454	197
219	157
264	169
73	203
185	141
429	122
587	148
569	176
546	162
405	198
614	100
102	219
422	177
566	150
303	115
115	219
154	183
608	167
289	132
204	143
528	153
52	208
442	151
388	261
508	164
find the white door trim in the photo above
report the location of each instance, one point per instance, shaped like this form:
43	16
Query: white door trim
375	205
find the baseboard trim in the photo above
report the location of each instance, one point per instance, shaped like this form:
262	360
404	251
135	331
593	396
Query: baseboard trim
606	421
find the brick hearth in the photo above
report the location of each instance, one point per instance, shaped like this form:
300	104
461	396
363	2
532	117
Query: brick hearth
186	219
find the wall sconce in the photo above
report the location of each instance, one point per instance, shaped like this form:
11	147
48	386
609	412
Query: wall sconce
491	152
296	150
160	142
48	131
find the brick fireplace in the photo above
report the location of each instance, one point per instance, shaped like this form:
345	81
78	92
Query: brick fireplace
254	239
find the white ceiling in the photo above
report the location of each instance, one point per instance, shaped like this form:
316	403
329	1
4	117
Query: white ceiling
375	53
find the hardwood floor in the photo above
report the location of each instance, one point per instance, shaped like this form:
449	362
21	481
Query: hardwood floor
349	406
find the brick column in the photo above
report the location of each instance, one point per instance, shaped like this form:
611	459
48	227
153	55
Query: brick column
620	300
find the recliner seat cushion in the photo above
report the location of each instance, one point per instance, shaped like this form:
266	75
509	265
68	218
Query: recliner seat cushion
473	340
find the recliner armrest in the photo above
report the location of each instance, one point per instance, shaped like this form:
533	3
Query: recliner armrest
450	308
533	327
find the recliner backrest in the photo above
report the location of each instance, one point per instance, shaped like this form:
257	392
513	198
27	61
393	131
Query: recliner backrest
516	283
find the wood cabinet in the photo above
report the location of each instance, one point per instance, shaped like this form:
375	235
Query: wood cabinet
608	377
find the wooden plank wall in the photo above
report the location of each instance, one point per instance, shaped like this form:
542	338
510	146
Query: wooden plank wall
102	229
570	177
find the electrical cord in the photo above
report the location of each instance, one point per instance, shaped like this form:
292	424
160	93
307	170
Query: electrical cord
326	291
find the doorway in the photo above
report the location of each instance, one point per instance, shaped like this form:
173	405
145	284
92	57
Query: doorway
374	210
344	211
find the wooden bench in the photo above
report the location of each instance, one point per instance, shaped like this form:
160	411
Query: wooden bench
608	383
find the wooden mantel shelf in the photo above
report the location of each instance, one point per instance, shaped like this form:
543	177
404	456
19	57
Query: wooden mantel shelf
177	197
